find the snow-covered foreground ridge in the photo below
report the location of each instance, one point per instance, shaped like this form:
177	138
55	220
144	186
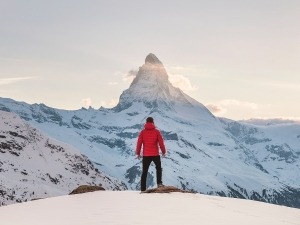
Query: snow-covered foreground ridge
131	207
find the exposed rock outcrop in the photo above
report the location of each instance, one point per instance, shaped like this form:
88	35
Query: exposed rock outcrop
166	189
86	188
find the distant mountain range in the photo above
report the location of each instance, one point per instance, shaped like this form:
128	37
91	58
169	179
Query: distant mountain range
206	154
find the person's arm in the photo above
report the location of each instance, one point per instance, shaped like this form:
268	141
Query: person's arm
161	143
139	145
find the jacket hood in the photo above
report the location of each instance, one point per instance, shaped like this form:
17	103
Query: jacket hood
149	126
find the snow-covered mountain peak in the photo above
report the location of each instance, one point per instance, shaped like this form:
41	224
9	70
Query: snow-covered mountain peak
151	88
152	72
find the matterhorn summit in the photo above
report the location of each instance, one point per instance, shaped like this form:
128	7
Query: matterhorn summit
151	87
152	59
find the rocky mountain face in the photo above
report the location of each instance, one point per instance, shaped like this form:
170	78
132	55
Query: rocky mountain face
205	154
33	165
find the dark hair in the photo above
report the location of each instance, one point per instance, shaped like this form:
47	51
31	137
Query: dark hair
149	120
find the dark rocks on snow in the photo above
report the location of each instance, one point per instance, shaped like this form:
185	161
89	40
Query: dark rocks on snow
35	199
86	188
166	189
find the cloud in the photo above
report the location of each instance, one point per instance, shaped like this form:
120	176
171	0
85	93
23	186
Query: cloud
234	102
113	102
272	121
290	86
113	83
132	73
215	109
7	81
182	82
227	107
293	118
128	77
87	102
193	70
110	104
183	69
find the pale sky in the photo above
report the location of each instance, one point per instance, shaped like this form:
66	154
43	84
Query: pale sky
240	58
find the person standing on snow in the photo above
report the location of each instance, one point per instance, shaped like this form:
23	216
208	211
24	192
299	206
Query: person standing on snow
150	138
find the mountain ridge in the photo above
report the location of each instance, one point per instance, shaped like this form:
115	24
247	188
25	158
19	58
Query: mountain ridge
33	165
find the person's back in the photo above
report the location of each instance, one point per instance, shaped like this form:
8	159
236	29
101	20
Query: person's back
150	138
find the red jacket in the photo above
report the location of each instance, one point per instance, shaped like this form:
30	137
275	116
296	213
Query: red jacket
150	138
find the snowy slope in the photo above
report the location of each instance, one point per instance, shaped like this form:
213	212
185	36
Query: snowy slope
205	154
132	208
276	146
33	165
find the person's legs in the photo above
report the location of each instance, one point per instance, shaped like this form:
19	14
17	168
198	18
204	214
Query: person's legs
156	160
146	163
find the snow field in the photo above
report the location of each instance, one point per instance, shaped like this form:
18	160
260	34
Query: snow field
131	207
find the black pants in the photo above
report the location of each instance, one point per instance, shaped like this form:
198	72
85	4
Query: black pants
146	163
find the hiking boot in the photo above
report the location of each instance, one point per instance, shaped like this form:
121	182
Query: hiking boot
160	185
